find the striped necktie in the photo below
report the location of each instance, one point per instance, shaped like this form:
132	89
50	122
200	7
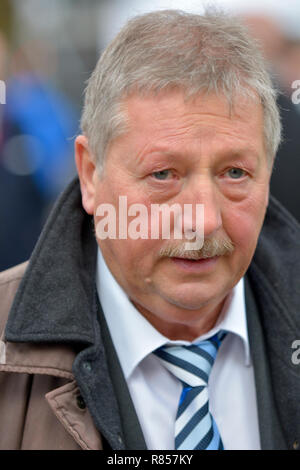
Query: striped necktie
195	428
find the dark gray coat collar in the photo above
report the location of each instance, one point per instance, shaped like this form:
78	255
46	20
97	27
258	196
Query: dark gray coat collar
55	301
274	275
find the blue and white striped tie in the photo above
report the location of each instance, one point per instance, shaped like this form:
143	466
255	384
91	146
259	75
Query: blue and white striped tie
195	428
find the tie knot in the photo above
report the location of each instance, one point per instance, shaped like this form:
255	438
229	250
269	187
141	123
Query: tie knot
191	364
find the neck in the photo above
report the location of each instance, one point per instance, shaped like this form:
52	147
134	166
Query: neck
187	326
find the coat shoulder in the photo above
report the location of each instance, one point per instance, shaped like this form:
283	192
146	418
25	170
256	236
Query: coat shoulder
9	283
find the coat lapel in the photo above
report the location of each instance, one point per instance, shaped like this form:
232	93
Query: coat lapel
133	435
271	435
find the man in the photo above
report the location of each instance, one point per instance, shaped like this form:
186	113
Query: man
142	341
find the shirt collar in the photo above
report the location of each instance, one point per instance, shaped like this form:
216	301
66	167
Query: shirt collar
134	337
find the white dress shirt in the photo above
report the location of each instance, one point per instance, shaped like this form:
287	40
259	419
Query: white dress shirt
155	392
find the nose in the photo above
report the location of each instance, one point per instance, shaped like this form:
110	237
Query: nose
203	192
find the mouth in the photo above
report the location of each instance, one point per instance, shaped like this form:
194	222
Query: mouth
196	265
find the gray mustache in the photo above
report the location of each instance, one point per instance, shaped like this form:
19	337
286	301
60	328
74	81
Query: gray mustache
211	247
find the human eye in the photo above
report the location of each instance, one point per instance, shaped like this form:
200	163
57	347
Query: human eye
236	173
162	175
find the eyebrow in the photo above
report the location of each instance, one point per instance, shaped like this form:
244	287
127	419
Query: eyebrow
235	153
166	152
242	152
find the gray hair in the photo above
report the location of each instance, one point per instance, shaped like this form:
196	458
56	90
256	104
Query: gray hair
210	53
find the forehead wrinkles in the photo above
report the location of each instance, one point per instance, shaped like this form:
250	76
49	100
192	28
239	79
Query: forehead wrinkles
191	130
176	117
166	122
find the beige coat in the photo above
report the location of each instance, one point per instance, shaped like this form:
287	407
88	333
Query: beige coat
40	404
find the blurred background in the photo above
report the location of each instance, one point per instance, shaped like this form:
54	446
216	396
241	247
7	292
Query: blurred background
48	48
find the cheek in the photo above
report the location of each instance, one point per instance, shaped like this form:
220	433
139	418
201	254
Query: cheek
132	262
243	223
134	258
121	198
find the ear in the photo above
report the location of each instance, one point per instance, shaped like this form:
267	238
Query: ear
87	173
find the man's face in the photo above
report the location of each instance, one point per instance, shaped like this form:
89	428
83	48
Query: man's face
181	152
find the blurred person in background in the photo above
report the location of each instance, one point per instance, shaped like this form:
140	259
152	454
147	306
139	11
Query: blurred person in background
36	161
290	65
281	48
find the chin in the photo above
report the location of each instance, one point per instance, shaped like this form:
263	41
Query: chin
189	302
195	296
